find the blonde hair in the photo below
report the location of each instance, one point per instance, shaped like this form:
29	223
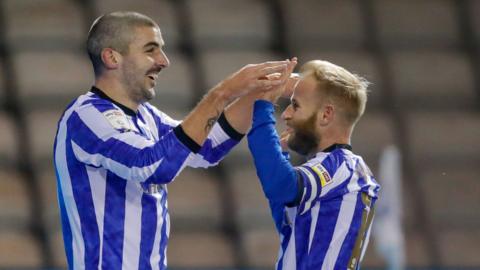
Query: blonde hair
346	90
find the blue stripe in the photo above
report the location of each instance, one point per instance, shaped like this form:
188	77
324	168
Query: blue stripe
277	210
308	187
169	148
114	222
67	231
333	161
287	234
161	127
163	235
341	189
327	218
302	236
215	154
83	198
149	227
351	237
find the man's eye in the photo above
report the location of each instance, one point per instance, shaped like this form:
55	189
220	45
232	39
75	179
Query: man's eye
150	50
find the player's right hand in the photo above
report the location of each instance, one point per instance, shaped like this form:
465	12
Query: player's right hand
253	78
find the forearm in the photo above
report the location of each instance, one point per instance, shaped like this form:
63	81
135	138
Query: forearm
277	175
239	114
200	120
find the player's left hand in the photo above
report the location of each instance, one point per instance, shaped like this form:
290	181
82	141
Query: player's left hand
285	89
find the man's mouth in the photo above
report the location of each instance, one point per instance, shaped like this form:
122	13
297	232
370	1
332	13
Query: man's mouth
153	77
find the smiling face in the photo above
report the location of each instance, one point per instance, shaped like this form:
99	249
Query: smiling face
301	117
142	63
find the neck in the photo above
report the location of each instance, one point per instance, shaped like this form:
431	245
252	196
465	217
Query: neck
116	91
334	137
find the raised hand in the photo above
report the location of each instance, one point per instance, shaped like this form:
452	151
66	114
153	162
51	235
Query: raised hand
253	78
286	87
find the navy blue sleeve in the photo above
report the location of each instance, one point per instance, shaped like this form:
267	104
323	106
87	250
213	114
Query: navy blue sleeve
278	177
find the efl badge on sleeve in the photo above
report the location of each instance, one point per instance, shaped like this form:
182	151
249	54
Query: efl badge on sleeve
322	173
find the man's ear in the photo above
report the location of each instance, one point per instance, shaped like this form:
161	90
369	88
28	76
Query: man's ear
326	114
111	58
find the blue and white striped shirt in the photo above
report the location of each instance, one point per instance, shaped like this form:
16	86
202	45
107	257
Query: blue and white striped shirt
323	209
112	167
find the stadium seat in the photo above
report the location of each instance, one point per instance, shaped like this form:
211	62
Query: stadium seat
31	22
417	24
315	24
218	64
252	206
456	200
52	78
433	79
444	139
8	139
244	24
161	11
47	182
14	200
460	247
474	8
356	61
19	249
193	198
42	125
56	242
371	135
174	87
196	250
262	247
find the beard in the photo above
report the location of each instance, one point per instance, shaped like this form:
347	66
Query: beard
137	85
304	139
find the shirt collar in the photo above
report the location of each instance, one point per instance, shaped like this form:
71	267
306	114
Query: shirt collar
337	146
102	95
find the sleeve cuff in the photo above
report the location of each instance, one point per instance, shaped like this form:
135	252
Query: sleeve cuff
231	132
186	140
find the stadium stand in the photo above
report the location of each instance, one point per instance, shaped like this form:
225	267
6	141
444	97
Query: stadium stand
423	58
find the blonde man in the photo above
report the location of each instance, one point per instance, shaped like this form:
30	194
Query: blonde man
324	208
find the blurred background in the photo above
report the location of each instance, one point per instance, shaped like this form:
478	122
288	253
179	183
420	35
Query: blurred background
420	134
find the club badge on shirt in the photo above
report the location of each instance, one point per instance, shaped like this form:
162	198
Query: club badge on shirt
118	120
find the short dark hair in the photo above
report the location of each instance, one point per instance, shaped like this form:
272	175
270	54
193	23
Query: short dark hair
113	30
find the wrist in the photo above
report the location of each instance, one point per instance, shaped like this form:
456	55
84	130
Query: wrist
220	95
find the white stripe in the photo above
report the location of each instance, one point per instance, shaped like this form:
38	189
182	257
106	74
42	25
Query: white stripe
133	226
155	255
338	178
314	213
313	194
344	222
99	125
139	174
167	230
97	177
78	249
290	255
